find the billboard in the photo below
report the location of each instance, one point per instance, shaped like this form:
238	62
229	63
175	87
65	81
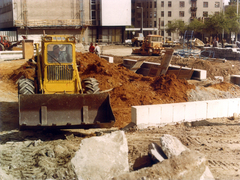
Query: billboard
115	12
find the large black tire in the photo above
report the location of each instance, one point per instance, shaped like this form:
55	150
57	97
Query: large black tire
2	47
26	86
91	86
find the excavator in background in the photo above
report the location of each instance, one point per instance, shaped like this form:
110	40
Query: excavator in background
56	97
152	45
5	44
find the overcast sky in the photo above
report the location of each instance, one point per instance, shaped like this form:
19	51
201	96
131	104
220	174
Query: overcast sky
226	2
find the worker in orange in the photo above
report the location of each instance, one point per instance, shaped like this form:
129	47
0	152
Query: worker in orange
91	48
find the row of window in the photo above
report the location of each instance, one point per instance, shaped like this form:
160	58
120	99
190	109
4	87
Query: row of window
181	4
181	14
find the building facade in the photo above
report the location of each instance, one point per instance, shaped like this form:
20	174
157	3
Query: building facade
157	13
88	20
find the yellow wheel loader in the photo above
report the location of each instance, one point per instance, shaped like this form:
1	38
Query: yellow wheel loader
152	45
55	98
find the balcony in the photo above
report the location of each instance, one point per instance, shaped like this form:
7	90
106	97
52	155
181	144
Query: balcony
193	8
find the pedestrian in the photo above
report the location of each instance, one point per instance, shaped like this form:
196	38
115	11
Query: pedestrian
97	49
91	48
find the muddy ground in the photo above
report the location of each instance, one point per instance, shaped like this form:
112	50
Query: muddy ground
45	154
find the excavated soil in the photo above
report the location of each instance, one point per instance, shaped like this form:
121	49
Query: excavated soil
44	154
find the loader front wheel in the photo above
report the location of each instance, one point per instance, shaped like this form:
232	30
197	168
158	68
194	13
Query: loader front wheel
26	86
91	86
1	47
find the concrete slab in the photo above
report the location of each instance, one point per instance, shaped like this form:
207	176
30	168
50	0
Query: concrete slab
108	58
198	74
235	79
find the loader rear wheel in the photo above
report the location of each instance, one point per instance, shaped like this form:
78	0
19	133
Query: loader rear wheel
26	86
91	86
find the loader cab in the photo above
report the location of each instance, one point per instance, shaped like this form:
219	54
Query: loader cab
156	41
59	69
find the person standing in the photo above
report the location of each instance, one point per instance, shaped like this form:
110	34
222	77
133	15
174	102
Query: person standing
97	49
91	48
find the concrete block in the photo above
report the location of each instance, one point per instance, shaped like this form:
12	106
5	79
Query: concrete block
201	110
178	112
199	74
139	115
212	109
166	113
223	108
235	79
108	58
190	111
154	114
233	107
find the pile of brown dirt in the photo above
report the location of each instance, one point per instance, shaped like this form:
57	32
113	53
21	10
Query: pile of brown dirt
27	70
131	89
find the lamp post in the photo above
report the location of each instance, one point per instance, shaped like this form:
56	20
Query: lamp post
142	17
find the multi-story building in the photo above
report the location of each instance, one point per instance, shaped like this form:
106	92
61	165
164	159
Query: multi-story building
88	20
157	13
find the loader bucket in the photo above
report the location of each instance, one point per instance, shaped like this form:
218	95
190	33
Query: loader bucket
65	111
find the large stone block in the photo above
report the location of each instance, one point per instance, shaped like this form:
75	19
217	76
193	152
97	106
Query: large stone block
171	146
102	157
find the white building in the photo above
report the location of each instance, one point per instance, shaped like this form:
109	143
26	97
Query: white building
157	13
88	20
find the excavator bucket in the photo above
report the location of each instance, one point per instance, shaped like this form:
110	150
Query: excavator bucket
65	111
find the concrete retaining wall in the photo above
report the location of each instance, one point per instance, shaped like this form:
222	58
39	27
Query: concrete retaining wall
151	115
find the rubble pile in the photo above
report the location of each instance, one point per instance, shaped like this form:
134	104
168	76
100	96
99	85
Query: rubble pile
223	53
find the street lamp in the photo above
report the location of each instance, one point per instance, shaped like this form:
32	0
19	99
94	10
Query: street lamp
142	17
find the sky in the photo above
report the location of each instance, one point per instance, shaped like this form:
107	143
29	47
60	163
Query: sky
226	2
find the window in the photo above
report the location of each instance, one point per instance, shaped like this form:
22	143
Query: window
155	14
93	14
181	13
150	24
217	12
155	23
162	13
147	4
155	4
162	3
205	14
150	4
169	3
150	14
169	34
169	22
217	4
147	23
169	13
59	53
205	4
181	4
139	15
162	23
162	33
147	14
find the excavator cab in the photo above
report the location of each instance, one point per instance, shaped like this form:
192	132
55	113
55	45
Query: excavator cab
55	98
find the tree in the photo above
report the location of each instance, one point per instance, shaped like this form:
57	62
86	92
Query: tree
177	26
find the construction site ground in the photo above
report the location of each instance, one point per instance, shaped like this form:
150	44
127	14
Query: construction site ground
218	139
